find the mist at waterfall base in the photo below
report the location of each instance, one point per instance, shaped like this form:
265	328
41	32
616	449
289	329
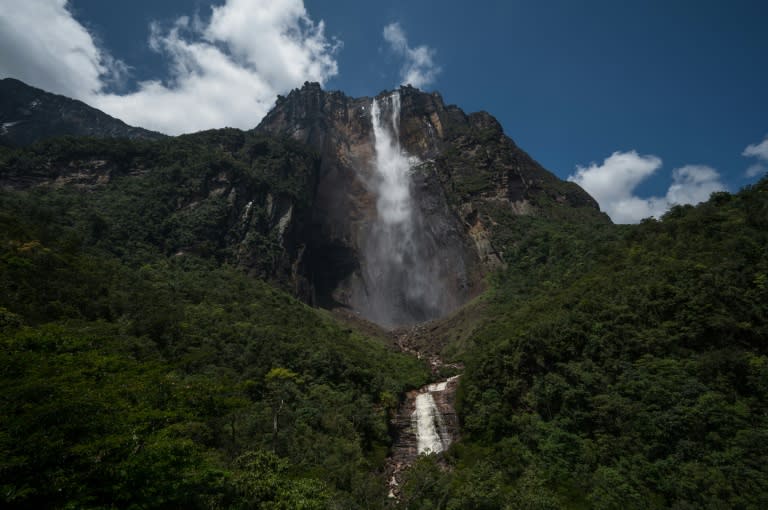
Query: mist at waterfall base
402	269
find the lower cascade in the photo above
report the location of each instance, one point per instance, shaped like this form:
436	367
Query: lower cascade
431	433
426	424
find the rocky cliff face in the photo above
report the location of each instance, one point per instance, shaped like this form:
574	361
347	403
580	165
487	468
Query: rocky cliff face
350	267
386	206
461	164
28	114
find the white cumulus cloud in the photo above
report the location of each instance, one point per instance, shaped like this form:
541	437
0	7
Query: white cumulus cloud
43	45
755	170
225	71
692	184
759	151
613	185
419	68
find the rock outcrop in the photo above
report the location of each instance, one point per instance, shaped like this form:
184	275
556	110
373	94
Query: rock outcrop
340	129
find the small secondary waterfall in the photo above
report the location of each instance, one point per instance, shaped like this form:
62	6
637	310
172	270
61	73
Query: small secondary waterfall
431	433
402	270
426	424
425	415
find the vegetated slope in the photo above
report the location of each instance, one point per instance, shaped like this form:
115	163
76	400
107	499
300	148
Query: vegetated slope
28	114
625	368
141	368
223	194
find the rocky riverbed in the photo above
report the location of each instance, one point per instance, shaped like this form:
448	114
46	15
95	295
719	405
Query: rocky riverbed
426	423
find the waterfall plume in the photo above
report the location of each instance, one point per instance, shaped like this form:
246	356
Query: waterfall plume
402	271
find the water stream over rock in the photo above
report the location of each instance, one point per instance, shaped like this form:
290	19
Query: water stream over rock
425	424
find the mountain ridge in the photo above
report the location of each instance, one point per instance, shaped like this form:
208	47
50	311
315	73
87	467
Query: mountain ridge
29	114
469	179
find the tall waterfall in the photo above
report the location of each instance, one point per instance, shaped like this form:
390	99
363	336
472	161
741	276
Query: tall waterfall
402	270
392	168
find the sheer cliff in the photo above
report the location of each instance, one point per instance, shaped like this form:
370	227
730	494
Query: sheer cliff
393	207
464	171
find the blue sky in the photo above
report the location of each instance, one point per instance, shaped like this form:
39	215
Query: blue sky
644	103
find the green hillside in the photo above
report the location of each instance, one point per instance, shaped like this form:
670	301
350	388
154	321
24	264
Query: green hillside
619	368
151	357
141	370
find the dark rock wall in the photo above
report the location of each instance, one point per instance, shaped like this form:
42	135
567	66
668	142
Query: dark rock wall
466	162
340	129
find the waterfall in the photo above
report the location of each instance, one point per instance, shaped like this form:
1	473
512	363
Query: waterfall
392	167
432	434
428	425
401	270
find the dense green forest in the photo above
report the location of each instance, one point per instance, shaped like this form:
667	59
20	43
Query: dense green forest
145	366
619	367
138	376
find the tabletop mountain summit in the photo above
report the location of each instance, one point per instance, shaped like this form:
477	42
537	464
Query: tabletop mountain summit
405	192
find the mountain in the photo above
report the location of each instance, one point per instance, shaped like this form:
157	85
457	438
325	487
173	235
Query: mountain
28	114
465	176
310	218
154	353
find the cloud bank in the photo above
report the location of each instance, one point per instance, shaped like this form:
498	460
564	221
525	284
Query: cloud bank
613	184
419	68
45	46
225	71
759	151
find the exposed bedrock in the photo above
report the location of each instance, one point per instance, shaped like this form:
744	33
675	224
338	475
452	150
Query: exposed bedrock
399	272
